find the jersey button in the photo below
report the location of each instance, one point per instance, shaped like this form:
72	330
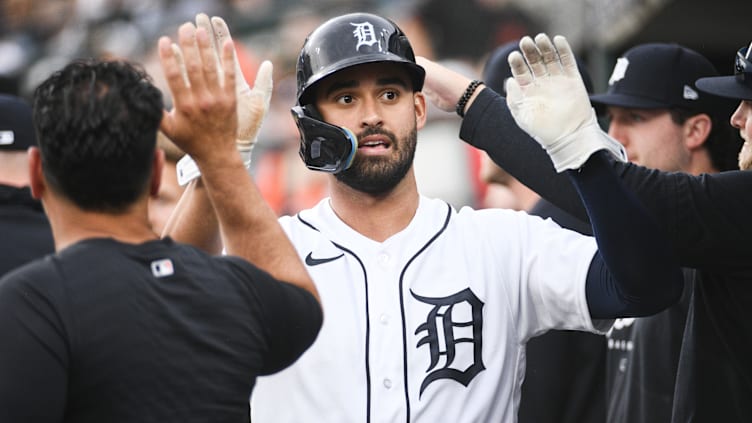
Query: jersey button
383	259
384	319
388	383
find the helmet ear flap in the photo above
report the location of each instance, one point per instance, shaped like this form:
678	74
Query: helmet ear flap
323	146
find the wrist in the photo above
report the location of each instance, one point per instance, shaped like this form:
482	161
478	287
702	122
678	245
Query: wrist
468	97
572	151
188	168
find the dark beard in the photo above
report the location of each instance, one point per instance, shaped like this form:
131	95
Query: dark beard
379	175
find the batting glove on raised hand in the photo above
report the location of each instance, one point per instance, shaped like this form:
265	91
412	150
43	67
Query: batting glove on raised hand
253	103
549	101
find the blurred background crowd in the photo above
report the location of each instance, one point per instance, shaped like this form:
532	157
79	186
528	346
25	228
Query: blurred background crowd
39	36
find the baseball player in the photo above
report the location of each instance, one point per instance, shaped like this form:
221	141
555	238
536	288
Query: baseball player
664	122
428	308
706	217
119	325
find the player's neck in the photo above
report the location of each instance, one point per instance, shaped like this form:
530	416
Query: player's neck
376	217
700	162
70	224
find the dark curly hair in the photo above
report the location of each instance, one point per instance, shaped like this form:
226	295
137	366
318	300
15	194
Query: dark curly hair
96	123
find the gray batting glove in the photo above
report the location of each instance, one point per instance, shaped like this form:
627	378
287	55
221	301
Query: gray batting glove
549	101
253	103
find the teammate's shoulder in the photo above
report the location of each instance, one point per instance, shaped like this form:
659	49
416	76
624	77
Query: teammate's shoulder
40	272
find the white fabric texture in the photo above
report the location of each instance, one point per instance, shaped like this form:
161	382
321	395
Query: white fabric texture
447	306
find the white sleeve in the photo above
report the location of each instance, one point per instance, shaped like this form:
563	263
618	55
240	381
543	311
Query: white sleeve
554	264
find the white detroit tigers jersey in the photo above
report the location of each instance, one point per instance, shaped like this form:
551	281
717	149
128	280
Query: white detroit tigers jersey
431	324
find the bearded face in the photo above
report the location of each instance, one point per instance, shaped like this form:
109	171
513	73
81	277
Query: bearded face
742	120
380	174
745	156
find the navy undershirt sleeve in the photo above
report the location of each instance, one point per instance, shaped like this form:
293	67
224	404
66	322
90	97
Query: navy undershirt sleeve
635	272
705	217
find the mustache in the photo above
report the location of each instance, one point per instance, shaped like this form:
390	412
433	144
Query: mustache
377	131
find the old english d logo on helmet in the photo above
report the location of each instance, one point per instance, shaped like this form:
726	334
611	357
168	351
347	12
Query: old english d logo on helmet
365	34
338	44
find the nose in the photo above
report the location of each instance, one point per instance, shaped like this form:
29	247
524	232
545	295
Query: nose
617	132
371	114
738	119
621	134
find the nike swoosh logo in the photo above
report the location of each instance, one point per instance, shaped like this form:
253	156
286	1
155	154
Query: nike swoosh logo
309	260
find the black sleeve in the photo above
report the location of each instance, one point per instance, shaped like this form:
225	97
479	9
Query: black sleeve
33	356
292	318
705	217
635	272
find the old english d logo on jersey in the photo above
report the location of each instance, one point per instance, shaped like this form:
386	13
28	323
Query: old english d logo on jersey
364	33
455	322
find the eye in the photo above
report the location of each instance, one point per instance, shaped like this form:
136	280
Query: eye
636	117
345	99
390	95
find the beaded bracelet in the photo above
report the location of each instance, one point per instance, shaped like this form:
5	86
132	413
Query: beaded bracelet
466	96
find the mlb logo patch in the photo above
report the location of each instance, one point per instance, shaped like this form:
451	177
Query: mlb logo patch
162	268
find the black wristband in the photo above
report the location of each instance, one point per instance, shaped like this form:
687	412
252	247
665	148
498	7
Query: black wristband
466	96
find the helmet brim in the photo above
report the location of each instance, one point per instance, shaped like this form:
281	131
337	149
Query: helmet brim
417	73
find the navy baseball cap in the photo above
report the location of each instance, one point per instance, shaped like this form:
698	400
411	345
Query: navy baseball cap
16	127
660	76
737	86
496	70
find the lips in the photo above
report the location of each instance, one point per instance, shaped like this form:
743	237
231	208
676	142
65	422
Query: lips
374	141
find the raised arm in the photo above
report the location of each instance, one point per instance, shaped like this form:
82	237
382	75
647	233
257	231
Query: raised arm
635	271
489	126
193	220
703	216
204	123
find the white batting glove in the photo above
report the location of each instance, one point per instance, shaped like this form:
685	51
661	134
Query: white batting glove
253	103
549	101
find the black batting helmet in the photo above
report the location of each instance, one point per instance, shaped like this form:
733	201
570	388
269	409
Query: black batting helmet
350	40
340	43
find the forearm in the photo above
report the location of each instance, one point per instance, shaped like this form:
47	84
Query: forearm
248	226
489	126
703	216
641	275
193	220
